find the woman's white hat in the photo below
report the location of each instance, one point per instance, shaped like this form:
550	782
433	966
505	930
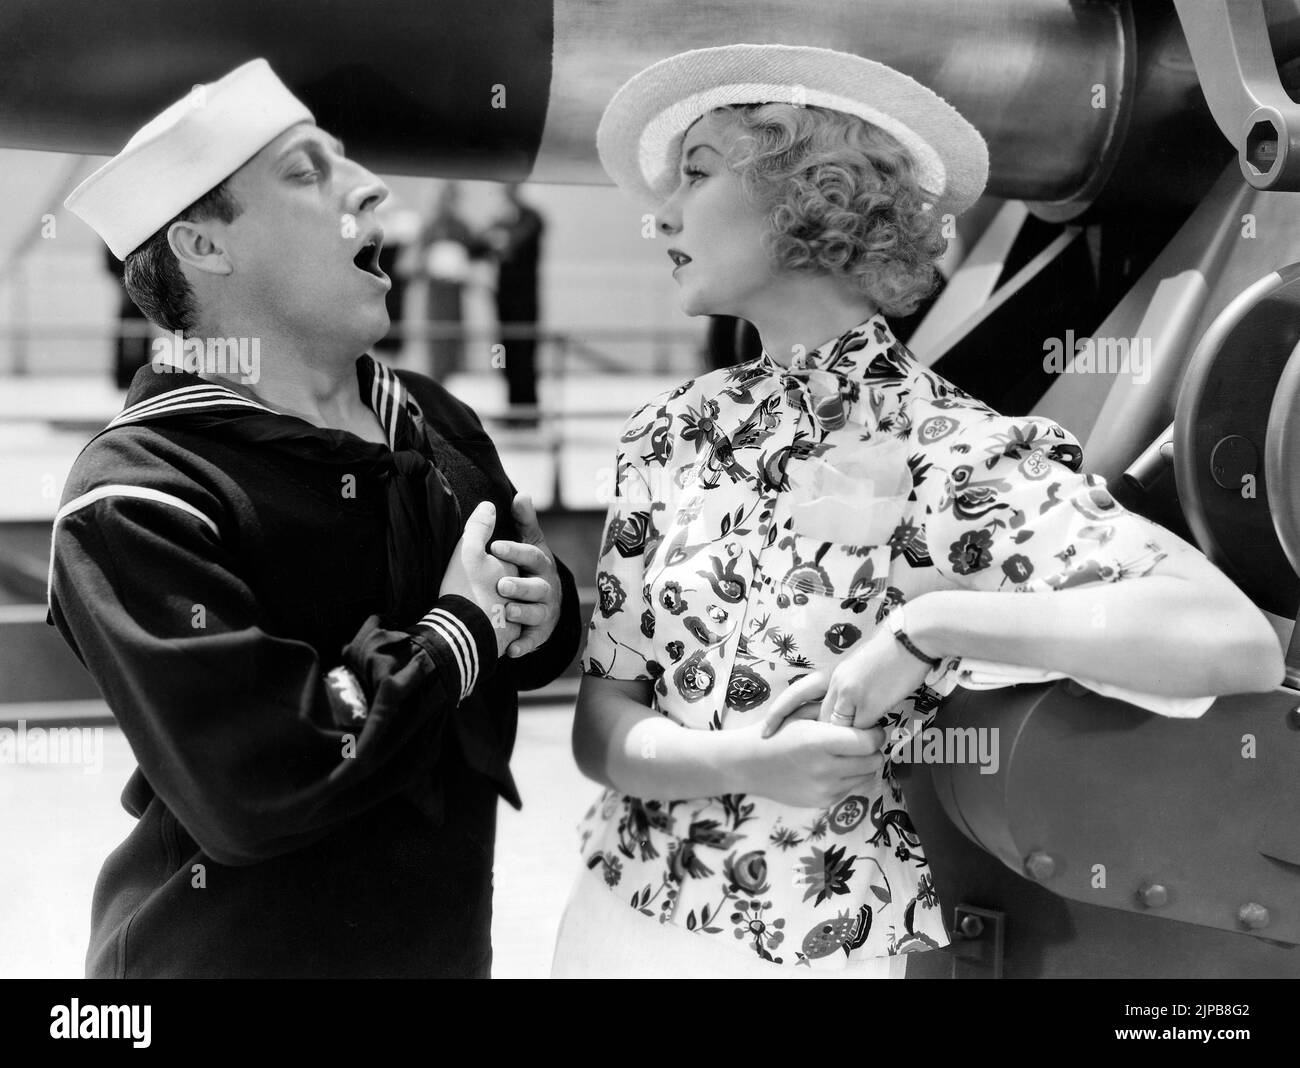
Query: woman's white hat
185	152
640	135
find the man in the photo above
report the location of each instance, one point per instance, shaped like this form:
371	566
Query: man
517	241
261	562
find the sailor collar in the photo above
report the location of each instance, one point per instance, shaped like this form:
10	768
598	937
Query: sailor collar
175	394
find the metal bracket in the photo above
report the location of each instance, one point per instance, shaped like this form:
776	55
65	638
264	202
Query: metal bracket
1229	44
977	937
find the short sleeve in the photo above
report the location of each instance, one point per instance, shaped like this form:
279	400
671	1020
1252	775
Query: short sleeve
619	636
1005	505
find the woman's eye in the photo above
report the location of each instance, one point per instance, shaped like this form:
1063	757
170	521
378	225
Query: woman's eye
691	175
305	174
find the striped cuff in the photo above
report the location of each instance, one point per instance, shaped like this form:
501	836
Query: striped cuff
458	635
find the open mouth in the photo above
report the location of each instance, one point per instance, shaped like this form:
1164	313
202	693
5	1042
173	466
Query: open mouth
678	257
367	257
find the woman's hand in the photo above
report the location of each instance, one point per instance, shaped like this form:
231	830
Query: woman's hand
865	685
811	765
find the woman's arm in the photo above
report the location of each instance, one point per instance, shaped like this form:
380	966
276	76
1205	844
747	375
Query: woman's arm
620	741
1183	630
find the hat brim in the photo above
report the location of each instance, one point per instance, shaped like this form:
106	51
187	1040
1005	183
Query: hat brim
640	134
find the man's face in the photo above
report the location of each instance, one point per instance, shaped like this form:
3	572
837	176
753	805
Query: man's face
305	247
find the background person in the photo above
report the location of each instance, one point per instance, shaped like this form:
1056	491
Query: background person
516	241
447	244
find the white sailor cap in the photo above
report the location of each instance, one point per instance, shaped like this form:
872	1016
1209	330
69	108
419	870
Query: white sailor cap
185	152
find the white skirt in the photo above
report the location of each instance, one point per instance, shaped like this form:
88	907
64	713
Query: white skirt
602	937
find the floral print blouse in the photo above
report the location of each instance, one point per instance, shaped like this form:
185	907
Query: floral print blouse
765	521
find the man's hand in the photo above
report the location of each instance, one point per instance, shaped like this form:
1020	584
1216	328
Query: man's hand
475	574
535	594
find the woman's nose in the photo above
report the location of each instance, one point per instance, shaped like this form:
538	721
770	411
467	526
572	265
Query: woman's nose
669	218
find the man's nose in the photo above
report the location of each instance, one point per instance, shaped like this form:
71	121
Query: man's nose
368	191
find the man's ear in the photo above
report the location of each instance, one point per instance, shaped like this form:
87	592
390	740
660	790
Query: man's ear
193	244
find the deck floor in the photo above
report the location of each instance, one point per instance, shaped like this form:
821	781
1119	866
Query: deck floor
60	822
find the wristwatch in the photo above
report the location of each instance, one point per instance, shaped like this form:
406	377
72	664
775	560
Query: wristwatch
897	624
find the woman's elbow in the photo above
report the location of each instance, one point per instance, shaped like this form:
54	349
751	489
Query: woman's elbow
1247	657
1263	666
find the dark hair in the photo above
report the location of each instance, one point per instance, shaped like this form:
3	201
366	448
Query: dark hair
153	276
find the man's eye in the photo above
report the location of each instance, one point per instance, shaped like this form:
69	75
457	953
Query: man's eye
305	174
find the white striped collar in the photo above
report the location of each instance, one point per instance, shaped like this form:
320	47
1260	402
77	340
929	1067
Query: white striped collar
388	398
187	398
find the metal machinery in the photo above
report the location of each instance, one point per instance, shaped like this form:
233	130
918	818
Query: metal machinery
1111	842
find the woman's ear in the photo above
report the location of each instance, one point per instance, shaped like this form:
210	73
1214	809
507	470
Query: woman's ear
194	244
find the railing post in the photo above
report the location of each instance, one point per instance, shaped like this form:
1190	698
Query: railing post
554	423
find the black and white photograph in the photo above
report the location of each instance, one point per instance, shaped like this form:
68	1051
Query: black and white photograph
651	489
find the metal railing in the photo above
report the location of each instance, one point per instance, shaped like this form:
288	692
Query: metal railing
589	345
561	356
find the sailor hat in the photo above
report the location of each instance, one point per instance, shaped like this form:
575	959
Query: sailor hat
640	134
185	152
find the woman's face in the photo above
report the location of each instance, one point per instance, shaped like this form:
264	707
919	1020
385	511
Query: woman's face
714	234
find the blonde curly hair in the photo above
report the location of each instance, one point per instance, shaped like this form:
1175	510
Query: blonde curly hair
841	196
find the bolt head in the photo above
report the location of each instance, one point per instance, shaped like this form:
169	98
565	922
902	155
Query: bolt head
971	926
1040	865
1293	718
1253	915
1154	896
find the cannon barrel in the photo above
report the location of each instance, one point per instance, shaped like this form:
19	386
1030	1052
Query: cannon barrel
1074	98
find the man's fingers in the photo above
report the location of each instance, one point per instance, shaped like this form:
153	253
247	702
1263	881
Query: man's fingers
479	526
520	647
525	557
526	615
809	688
526	518
524	589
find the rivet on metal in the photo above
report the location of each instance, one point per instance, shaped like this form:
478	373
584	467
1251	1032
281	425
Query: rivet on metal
1040	865
1153	895
1253	915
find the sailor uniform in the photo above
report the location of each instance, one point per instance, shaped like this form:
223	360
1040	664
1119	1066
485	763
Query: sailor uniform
212	562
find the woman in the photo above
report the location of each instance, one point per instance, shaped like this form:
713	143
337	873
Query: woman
827	526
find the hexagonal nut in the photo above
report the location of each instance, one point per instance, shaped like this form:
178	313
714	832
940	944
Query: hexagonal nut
1040	865
1253	916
